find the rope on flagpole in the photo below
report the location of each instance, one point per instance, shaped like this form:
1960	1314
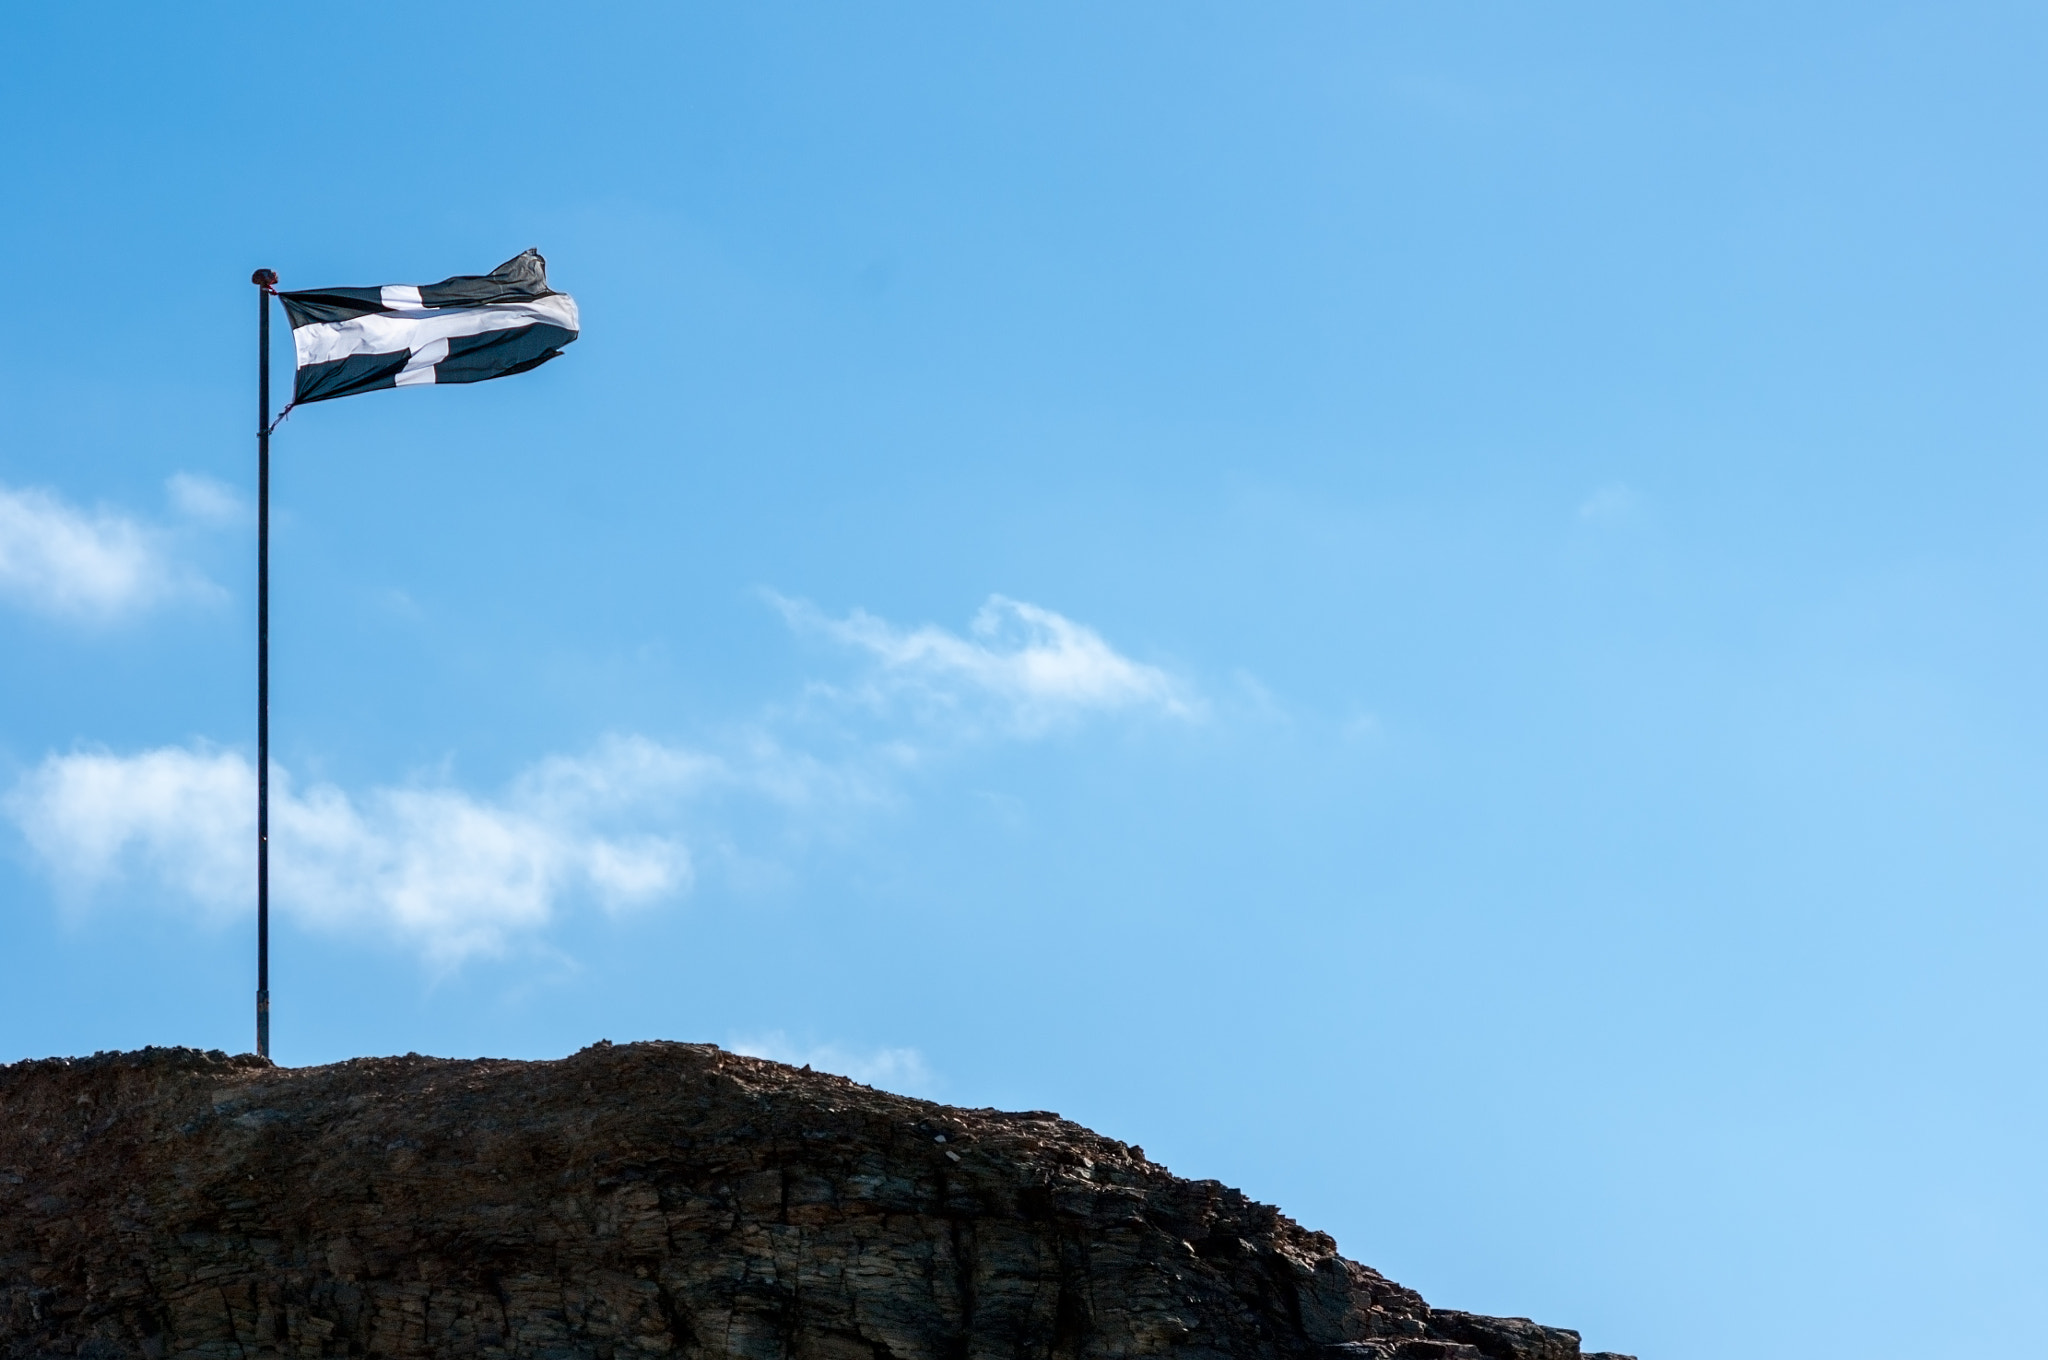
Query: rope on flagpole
270	291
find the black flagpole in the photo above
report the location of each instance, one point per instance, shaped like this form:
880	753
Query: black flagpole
265	280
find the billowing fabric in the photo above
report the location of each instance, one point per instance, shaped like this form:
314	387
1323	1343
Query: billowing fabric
460	330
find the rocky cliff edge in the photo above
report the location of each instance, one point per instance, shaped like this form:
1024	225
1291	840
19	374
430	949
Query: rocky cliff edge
652	1201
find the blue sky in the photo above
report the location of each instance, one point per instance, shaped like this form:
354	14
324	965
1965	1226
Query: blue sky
1432	610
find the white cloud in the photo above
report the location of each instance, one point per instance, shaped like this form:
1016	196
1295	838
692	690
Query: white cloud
455	874
188	814
902	1070
216	505
450	873
622	773
63	561
1035	665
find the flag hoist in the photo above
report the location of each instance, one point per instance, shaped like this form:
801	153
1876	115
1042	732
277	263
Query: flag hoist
347	340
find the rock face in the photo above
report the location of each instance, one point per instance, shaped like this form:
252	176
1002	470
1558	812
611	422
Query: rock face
637	1202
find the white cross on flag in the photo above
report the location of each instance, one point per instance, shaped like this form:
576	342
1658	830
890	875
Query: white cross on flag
461	330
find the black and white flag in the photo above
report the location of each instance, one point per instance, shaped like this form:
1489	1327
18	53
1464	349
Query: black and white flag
460	330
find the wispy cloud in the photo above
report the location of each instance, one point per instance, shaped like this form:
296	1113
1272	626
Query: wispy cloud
216	505
98	566
1031	666
431	865
1611	504
456	874
903	1070
70	563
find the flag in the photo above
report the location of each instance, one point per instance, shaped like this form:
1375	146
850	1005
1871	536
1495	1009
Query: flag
460	330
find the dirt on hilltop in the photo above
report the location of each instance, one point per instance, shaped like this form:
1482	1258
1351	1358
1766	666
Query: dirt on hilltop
642	1200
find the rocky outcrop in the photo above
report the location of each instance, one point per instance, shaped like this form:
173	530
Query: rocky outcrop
639	1201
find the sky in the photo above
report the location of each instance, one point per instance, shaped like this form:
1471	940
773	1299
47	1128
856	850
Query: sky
1430	610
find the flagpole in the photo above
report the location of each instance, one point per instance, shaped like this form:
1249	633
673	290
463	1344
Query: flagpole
265	280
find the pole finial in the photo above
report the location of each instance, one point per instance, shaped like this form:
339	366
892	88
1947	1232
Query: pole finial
264	278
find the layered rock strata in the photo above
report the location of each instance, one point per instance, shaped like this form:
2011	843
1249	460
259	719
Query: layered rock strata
639	1202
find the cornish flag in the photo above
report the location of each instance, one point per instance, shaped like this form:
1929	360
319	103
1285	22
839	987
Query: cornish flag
460	330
